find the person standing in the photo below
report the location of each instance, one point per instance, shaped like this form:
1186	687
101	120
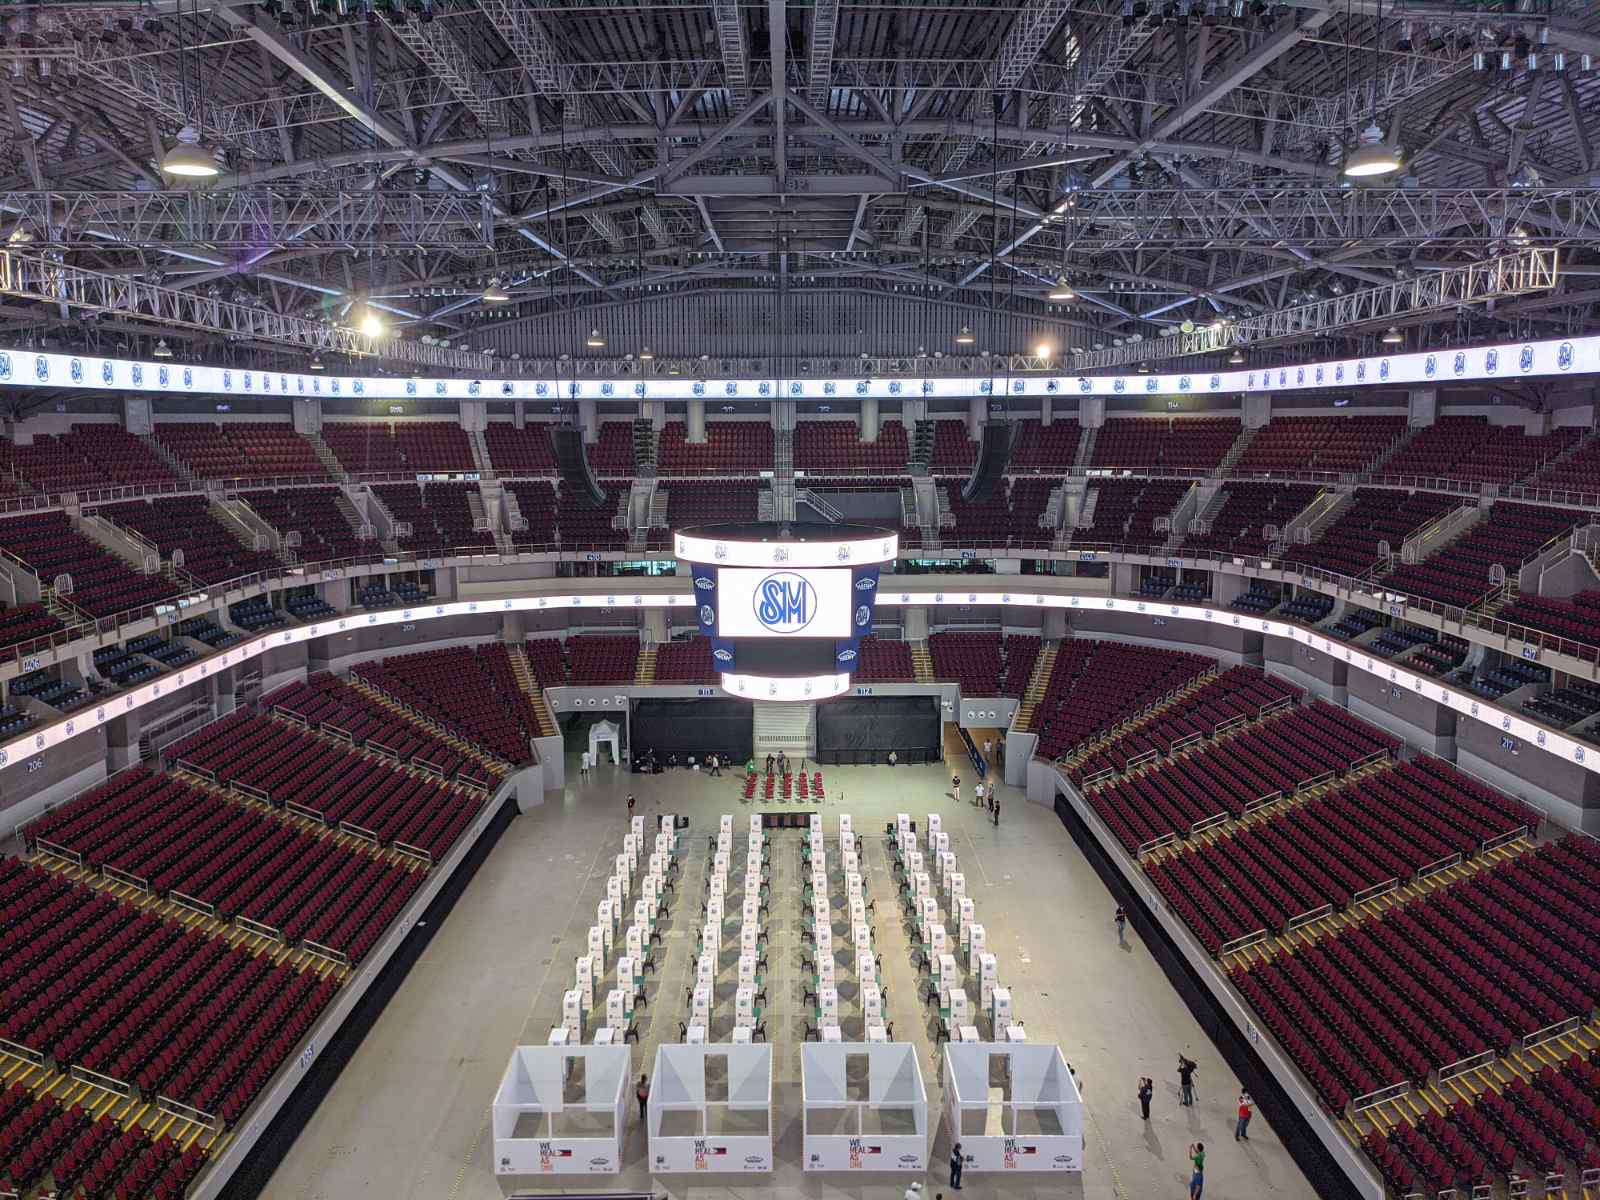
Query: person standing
1147	1089
630	806
770	761
894	758
1186	1069
642	1092
994	808
914	1192
1197	1181
715	764
583	764
957	1161
977	793
1246	1108
1122	924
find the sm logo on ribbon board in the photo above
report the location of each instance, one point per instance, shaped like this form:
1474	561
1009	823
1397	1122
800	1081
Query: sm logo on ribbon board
807	603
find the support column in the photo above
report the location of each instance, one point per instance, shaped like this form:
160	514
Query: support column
589	421
916	623
655	626
1047	411
1257	410
697	422
222	691
869	418
1092	412
1053	623
474	415
977	414
519	416
1422	407
307	416
122	740
136	415
513	628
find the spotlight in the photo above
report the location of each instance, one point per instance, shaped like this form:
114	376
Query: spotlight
370	323
1393	337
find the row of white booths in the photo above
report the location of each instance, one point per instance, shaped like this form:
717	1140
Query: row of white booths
562	1108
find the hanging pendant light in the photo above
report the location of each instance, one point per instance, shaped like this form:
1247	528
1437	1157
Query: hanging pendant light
1393	337
162	350
189	158
1372	156
1236	357
594	341
646	354
493	293
316	362
1062	291
965	338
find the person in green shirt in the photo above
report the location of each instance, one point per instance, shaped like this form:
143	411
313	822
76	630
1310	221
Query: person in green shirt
1197	1181
750	767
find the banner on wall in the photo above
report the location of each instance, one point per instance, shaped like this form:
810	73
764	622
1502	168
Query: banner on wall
864	598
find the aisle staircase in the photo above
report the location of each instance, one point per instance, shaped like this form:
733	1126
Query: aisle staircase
525	680
922	661
1038	682
329	459
176	464
1240	445
480	452
1086	441
644	671
1376	466
791	728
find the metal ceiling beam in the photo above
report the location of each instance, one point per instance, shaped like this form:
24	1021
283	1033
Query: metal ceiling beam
1028	35
317	73
824	30
438	50
730	37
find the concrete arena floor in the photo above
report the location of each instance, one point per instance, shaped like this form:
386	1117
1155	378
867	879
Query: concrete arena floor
408	1117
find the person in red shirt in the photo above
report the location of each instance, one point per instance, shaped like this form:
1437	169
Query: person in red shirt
1240	1132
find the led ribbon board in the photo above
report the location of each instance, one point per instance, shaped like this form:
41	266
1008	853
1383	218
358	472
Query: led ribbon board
21	368
1464	704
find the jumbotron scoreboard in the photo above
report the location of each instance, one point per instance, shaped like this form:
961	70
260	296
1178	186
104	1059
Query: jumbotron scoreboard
785	605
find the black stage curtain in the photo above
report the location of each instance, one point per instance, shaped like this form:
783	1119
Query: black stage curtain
724	727
854	730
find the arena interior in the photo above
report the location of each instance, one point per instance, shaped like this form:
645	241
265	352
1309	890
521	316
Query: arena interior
525	523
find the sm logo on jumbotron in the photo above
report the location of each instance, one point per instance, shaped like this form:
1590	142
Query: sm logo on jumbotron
785	602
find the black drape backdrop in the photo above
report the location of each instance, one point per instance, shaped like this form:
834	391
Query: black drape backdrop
699	727
863	729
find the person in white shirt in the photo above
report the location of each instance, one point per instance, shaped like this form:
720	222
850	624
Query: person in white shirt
978	794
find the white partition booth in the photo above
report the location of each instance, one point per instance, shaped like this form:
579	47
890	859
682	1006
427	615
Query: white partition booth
562	1110
710	1108
865	1107
1013	1106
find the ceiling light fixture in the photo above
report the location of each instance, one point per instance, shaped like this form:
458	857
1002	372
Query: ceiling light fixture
965	338
1236	357
646	354
493	293
316	362
594	341
189	158
162	350
1062	291
1372	157
1392	336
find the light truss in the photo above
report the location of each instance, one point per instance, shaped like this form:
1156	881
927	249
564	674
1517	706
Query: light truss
439	51
28	277
1519	274
1309	218
254	219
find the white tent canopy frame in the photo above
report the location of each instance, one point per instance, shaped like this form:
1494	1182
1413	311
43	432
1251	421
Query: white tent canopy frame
602	733
710	1108
883	1128
562	1110
1013	1107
